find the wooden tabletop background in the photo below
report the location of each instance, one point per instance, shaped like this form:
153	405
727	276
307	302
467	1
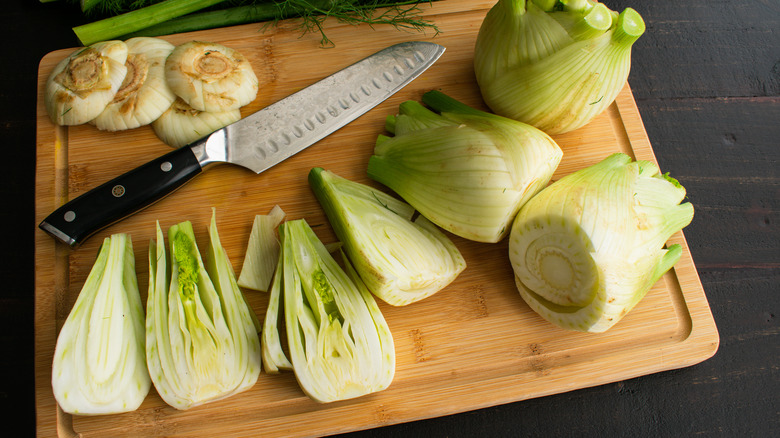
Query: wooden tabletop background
706	79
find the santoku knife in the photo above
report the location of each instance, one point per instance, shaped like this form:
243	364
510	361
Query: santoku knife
257	142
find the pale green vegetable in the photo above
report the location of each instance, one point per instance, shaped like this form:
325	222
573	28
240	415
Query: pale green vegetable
211	77
274	358
262	252
554	64
181	124
466	170
587	249
340	344
144	94
81	85
99	365
201	336
400	260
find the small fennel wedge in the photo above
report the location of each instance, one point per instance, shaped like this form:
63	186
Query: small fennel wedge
144	94
99	364
587	249
262	252
81	85
340	344
466	170
201	336
554	64
400	260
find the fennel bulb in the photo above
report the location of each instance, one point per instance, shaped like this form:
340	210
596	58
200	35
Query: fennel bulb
144	94
400	260
210	77
99	365
587	249
201	336
554	64
339	342
182	124
467	171
81	85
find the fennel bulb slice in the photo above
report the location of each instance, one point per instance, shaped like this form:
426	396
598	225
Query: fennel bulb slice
399	259
81	85
181	124
340	344
144	94
554	64
465	170
262	252
211	77
586	249
99	365
201	336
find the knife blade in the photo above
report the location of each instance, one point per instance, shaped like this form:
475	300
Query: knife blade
256	142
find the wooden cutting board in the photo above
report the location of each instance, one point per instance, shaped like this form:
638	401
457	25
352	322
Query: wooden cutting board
474	344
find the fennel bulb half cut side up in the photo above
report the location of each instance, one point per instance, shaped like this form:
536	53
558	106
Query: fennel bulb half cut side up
340	344
586	249
465	170
553	64
99	364
81	85
400	259
201	336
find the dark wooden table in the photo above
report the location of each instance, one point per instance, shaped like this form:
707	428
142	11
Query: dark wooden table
706	78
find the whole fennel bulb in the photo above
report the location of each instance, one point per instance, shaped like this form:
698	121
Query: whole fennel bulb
554	64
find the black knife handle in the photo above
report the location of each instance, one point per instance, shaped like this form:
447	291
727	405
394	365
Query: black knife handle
100	207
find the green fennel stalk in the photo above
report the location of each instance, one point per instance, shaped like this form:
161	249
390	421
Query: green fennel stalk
138	19
401	14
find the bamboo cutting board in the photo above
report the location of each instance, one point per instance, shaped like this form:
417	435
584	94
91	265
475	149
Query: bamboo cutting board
474	344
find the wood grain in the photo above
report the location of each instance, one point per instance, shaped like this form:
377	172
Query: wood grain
473	345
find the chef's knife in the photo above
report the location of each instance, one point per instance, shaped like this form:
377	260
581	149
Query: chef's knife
257	142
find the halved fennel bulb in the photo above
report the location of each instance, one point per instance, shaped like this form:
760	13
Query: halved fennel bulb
587	249
554	64
81	85
400	260
340	344
211	77
465	170
99	365
201	336
144	94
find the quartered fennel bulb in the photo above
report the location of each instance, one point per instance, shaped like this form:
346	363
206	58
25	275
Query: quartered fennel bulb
554	64
144	94
81	85
401	260
181	124
201	336
339	342
99	364
467	171
587	249
211	77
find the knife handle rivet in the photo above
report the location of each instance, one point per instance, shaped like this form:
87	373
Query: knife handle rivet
118	191
166	166
69	216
